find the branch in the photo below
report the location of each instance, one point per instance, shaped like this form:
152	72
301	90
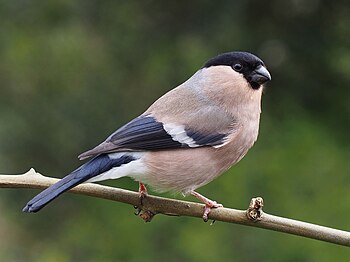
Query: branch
158	205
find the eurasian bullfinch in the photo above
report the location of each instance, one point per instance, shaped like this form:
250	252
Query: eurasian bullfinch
186	138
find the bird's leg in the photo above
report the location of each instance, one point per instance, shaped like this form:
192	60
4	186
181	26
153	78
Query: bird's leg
146	215
209	204
142	191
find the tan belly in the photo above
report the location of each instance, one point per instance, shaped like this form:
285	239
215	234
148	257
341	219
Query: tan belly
184	170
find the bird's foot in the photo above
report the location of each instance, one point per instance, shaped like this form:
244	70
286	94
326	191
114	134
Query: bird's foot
142	192
146	215
209	204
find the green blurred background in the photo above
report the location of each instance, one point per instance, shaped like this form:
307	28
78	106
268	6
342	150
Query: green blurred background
71	72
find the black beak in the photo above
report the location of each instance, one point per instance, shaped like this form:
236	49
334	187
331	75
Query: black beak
259	76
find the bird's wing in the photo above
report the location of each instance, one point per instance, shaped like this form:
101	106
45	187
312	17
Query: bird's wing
179	119
146	133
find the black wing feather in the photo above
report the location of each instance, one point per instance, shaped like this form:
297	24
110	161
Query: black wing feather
143	133
146	133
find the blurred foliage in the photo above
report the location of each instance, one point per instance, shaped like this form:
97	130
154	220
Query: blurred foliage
71	72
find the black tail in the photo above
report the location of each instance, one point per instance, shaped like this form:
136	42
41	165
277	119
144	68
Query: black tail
94	167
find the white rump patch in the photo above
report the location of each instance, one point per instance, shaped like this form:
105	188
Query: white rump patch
178	133
136	155
131	169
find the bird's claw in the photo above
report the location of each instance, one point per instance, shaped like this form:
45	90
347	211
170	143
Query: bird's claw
209	204
207	209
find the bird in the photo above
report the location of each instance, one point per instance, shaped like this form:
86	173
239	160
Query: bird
185	139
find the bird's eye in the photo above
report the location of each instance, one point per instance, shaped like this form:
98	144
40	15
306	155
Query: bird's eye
237	67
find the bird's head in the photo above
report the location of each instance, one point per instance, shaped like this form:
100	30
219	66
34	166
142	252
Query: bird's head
250	66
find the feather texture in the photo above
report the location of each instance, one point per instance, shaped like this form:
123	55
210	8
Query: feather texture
186	138
87	171
146	133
